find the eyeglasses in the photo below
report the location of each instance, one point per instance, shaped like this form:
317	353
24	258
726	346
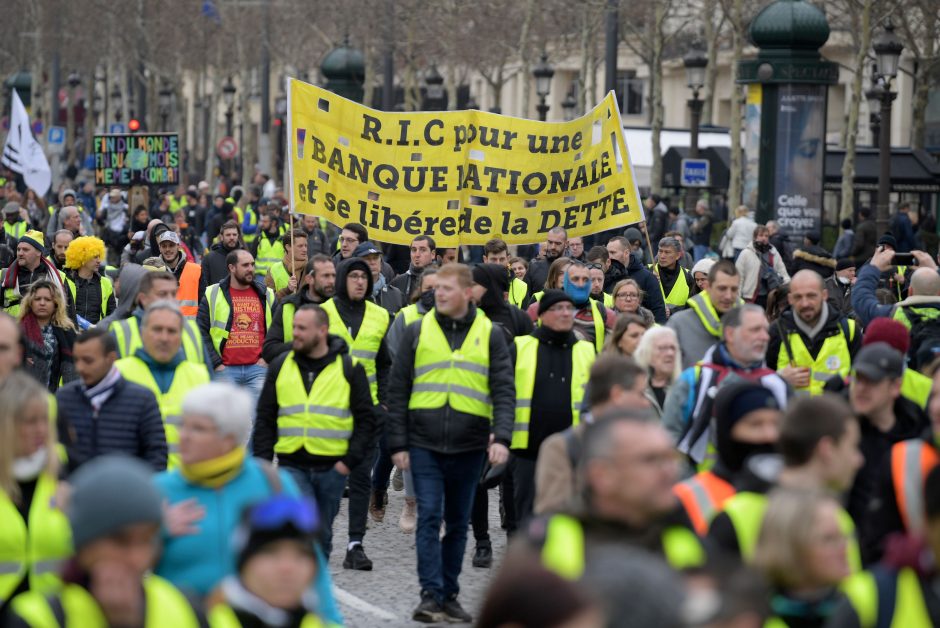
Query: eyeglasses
628	296
278	511
593	267
349	240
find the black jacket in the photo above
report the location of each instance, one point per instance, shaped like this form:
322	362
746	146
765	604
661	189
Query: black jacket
614	273
787	324
214	268
814	257
649	284
389	297
840	296
864	242
446	430
537	274
405	282
274	344
88	298
264	435
204	317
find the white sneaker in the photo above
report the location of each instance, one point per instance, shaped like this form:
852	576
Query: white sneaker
408	520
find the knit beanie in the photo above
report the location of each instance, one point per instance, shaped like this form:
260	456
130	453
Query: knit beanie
632	234
888	240
732	403
110	493
889	331
551	297
844	263
34	238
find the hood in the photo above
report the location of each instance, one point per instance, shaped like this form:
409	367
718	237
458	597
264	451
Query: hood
636	264
155	232
495	279
219	247
815	255
336	346
343	268
128	287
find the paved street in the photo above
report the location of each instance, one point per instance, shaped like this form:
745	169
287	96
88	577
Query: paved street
387	595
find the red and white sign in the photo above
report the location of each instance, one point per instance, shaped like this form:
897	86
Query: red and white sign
227	148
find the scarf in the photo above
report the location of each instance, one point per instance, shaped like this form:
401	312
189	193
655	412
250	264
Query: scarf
379	285
812	332
98	394
32	330
240	598
215	472
28	468
11	278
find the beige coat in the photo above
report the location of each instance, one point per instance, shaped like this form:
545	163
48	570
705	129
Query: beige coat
749	267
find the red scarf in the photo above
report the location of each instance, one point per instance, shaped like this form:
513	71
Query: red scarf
31	328
10	279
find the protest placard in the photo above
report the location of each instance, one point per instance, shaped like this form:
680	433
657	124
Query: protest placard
139	159
462	177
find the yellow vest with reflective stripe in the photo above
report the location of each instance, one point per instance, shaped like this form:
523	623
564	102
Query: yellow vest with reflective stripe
38	550
927	313
410	313
186	377
746	512
563	550
365	346
527	348
279	276
517	291
222	616
12	297
16	230
701	303
909	607
833	358
600	326
459	379
220	314
679	294
268	255
127	334
321	423
915	386
165	606
107	289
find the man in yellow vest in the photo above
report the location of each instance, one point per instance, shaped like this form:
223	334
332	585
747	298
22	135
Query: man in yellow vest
13	224
284	275
452	369
159	367
496	251
592	321
268	247
91	292
30	266
234	316
115	515
628	466
552	368
811	341
316	413
363	325
699	327
675	282
319	285
187	273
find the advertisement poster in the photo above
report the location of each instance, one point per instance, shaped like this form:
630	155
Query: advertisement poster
752	115
137	159
800	158
462	177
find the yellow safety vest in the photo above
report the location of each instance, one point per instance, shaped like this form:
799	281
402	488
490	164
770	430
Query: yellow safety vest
701	303
517	291
16	230
321	423
365	346
186	377
223	616
746	512
833	357
12	298
37	550
927	313
127	334
165	606
563	550
279	275
599	323
268	255
679	294
459	379
527	348
220	314
410	313
606	299
107	289
916	386
909	606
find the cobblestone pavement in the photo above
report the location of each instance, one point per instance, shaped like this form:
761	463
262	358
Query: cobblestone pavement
387	595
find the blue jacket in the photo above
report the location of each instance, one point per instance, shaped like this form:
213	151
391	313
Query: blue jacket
197	563
864	301
903	230
129	422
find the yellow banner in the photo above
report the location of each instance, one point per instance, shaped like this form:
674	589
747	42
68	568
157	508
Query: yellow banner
462	177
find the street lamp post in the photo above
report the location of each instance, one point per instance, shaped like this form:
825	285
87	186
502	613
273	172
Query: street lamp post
117	103
695	62
74	81
165	101
543	73
434	89
874	95
99	101
228	97
888	50
280	110
569	104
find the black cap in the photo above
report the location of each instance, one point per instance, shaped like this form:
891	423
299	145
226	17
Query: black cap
551	297
879	361
888	240
845	262
366	248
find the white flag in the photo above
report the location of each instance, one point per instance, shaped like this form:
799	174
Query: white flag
22	153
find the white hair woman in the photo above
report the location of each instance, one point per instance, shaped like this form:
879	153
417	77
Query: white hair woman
213	485
33	547
658	352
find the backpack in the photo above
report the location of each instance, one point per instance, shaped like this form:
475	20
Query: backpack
925	334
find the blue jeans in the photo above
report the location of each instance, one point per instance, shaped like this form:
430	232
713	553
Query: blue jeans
444	487
249	376
699	251
326	488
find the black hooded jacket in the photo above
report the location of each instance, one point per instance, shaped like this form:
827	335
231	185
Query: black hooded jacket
214	268
649	284
495	279
264	435
352	313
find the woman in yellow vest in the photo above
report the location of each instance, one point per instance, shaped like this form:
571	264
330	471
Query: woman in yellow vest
35	538
276	566
115	515
802	550
92	293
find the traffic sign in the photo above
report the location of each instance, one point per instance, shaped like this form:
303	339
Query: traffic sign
56	135
116	127
227	147
695	173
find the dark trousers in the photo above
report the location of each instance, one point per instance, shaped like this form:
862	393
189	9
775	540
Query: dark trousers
480	518
360	484
444	488
382	469
326	488
523	486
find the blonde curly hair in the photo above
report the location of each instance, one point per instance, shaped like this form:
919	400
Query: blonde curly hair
83	249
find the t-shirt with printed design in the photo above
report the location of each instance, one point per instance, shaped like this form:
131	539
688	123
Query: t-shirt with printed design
243	345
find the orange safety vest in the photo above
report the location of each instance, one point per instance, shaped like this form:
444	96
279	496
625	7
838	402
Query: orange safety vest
188	293
911	461
703	496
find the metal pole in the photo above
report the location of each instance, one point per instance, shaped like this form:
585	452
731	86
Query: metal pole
388	61
264	141
54	109
610	47
875	124
695	109
542	108
884	156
